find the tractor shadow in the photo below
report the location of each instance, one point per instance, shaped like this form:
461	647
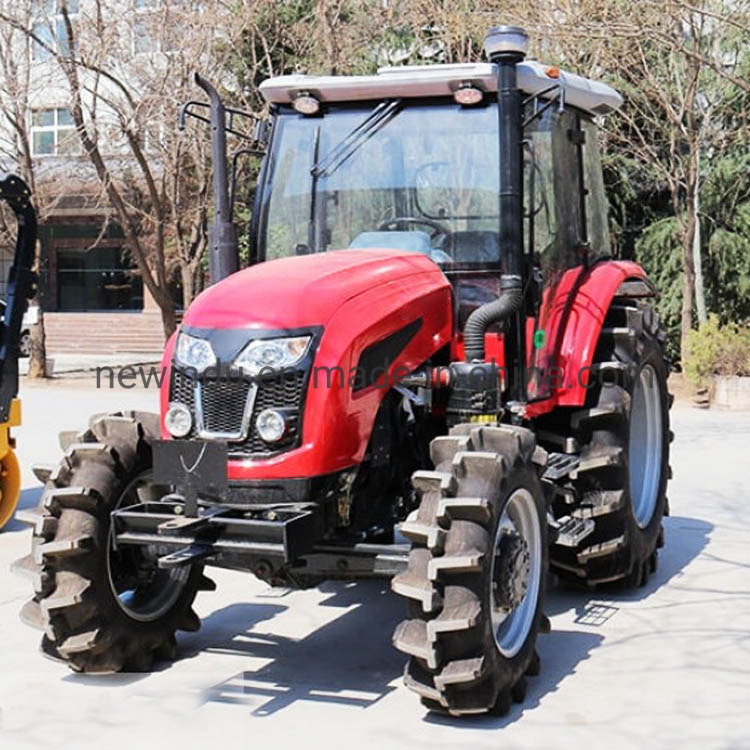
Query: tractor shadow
349	661
685	539
29	498
560	652
218	626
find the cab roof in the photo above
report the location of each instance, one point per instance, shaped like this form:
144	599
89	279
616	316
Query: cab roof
442	80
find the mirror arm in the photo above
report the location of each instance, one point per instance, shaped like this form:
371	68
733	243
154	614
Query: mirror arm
558	96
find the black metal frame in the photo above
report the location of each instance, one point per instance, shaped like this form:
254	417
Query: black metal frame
278	543
282	532
20	288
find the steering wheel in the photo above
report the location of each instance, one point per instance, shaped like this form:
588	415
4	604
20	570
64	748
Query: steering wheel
438	229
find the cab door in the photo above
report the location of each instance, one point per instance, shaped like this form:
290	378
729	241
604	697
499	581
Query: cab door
562	188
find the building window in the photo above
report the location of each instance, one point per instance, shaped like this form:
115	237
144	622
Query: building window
155	27
53	133
49	28
50	7
144	40
96	279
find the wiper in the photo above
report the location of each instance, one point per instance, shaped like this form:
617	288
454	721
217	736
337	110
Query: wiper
353	141
312	240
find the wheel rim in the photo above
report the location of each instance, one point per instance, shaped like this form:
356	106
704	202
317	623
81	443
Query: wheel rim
143	591
645	446
518	553
24	345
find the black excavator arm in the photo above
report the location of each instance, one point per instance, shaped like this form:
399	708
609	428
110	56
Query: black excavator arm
20	286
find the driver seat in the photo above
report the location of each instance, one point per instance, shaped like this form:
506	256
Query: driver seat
473	246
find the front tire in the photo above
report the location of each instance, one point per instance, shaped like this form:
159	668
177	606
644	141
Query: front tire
103	609
475	581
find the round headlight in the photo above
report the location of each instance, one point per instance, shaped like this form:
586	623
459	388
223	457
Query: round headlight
178	420
271	425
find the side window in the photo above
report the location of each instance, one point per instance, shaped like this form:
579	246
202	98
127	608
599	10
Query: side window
285	217
553	189
539	194
596	198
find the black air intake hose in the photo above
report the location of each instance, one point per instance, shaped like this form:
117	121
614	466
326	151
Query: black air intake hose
483	317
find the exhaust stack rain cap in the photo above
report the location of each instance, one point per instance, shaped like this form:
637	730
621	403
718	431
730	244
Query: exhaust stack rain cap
506	41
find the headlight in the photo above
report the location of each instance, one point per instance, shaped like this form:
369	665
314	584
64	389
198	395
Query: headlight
178	420
272	353
271	425
194	352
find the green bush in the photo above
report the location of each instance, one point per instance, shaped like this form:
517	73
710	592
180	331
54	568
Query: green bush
717	349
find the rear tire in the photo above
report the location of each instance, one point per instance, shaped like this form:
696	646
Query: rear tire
624	438
103	610
476	574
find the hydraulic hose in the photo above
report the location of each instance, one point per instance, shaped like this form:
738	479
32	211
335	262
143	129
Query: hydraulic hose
483	317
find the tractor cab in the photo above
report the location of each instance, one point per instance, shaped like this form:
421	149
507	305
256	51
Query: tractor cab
410	159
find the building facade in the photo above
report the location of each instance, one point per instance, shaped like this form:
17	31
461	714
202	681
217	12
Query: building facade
91	292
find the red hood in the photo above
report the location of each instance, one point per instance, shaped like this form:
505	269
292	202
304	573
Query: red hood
300	291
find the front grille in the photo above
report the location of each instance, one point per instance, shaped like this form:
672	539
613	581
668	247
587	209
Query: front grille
181	389
223	403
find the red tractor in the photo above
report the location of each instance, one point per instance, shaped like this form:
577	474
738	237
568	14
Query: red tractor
432	370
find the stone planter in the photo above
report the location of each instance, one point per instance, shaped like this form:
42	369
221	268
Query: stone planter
732	391
23	366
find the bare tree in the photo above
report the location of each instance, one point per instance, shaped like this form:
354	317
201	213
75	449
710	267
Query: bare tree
672	61
16	152
126	76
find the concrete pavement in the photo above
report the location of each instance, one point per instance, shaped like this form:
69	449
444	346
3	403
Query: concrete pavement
666	666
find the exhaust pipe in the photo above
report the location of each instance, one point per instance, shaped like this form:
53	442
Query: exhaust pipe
505	46
223	257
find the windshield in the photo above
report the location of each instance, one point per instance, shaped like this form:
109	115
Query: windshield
423	179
